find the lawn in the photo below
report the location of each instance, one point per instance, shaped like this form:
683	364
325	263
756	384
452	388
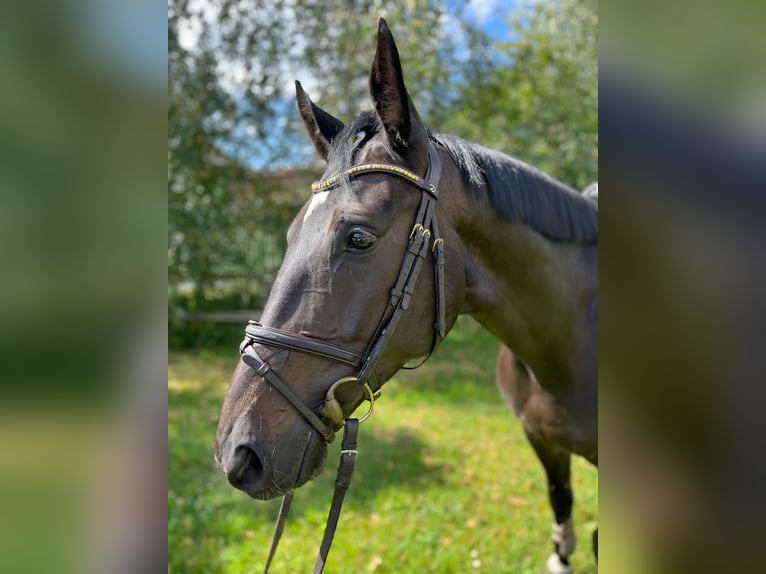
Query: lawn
444	482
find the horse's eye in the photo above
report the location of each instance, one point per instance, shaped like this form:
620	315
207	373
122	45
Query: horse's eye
361	240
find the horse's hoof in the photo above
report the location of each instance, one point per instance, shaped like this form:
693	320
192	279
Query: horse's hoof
554	565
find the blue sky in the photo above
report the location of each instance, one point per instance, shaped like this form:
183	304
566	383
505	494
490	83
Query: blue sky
496	27
492	15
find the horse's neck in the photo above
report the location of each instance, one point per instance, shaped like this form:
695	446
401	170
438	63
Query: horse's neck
537	296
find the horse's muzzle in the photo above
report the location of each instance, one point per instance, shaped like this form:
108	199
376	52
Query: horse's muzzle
247	470
254	467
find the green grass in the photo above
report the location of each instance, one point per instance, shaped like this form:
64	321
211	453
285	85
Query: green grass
444	479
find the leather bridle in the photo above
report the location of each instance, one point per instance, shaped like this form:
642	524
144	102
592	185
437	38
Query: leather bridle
424	229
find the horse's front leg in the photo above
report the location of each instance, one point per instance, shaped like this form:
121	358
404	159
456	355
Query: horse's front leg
556	462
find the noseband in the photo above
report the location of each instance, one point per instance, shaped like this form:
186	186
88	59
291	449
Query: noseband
424	229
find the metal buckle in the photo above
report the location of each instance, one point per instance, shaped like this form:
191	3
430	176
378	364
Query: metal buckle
332	409
417	227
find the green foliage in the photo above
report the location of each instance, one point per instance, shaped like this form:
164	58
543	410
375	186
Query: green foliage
536	96
444	477
214	223
199	198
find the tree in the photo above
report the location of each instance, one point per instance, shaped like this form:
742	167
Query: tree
536	96
210	109
196	185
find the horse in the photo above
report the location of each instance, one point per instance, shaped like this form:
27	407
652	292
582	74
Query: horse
351	304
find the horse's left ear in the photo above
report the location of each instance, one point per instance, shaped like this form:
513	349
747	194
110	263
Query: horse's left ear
321	126
393	104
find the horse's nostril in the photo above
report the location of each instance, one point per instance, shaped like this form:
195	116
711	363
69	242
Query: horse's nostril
247	471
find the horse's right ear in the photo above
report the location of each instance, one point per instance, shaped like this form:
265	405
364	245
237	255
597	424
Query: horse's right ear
322	127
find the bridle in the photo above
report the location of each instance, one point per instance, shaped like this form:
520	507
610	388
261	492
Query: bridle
424	229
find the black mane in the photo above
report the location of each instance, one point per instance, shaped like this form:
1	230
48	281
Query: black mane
519	192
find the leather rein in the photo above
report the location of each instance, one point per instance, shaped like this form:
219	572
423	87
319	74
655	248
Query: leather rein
330	415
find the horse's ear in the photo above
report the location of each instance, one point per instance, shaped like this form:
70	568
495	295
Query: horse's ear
322	127
389	94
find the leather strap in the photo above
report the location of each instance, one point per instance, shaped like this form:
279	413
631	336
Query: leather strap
262	369
402	292
284	509
438	250
433	170
342	482
278	338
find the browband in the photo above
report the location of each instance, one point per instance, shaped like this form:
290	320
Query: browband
427	183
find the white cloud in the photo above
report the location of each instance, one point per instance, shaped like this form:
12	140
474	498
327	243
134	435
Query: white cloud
234	72
481	10
452	28
190	29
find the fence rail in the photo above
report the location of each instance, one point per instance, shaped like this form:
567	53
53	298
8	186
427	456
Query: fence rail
241	316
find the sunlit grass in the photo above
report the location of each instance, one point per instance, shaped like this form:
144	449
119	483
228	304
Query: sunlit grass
445	481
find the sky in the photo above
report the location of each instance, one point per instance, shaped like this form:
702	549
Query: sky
487	15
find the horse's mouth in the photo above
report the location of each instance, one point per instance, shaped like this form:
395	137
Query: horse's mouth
313	460
302	471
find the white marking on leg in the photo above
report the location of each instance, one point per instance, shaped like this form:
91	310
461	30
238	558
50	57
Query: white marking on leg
554	565
563	536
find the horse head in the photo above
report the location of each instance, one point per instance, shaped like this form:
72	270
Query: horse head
336	292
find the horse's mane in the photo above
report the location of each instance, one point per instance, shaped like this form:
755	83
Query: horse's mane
519	192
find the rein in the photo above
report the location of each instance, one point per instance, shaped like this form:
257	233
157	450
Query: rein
330	415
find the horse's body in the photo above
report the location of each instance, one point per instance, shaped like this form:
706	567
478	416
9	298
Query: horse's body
520	255
556	424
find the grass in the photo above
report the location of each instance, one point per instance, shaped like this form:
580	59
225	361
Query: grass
445	481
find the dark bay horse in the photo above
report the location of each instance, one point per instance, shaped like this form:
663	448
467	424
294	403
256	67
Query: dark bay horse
362	291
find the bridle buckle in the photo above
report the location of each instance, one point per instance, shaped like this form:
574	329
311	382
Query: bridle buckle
331	408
